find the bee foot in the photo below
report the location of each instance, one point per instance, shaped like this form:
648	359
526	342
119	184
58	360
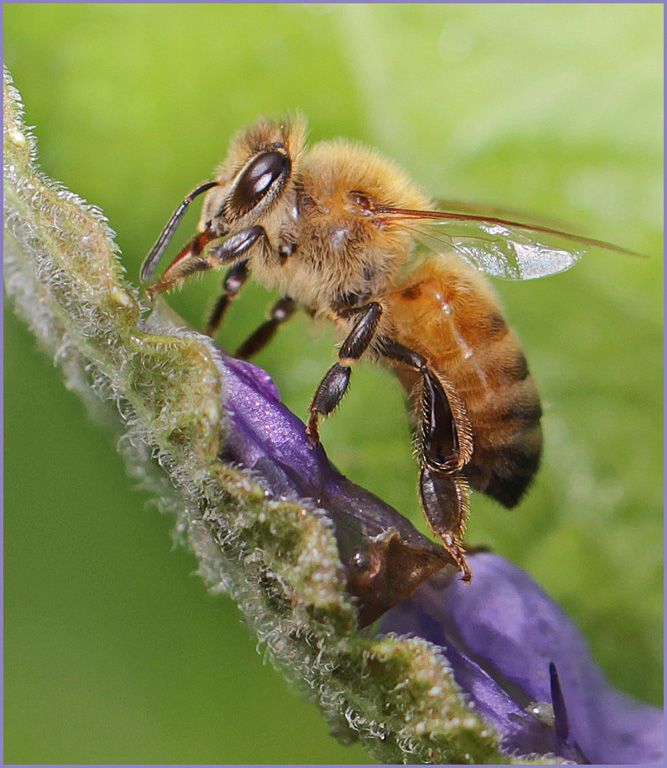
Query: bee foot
457	552
312	431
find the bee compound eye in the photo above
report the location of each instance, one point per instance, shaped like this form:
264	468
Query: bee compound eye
257	180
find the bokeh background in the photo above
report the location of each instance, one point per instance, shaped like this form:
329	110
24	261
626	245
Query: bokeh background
114	652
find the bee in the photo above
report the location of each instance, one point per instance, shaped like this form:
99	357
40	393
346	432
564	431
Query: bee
344	234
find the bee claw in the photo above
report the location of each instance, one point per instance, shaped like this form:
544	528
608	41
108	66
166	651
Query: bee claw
456	550
444	500
466	573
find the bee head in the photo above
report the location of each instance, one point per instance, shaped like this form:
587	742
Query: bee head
255	181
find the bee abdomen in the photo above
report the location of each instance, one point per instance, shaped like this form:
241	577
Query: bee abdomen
448	314
507	437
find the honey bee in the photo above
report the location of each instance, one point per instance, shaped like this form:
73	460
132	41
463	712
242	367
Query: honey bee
344	234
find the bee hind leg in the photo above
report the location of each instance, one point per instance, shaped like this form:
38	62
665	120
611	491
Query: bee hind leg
445	444
445	435
444	499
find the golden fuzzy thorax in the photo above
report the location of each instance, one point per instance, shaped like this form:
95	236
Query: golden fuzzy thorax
338	250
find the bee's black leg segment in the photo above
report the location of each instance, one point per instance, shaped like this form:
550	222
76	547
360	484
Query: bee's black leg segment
446	447
334	385
231	285
328	395
361	335
231	247
281	311
440	443
444	498
446	438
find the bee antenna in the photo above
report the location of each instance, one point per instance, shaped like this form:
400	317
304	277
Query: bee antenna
151	261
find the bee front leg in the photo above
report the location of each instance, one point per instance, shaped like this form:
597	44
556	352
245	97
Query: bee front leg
334	385
203	253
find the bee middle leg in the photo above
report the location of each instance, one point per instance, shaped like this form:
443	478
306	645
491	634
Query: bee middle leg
281	311
334	385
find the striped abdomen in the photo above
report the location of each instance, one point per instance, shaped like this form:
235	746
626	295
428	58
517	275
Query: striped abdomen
448	313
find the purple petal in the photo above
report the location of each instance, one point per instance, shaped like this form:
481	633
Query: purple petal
527	667
386	558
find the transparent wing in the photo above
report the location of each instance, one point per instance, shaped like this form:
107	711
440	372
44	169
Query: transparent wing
497	246
514	214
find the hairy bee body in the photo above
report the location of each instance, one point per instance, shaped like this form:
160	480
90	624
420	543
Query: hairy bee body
336	230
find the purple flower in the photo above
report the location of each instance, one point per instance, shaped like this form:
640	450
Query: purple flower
385	557
527	668
524	665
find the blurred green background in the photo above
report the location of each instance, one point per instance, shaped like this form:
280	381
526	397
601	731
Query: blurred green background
113	651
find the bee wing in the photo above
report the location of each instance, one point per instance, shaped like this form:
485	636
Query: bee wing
515	214
497	246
